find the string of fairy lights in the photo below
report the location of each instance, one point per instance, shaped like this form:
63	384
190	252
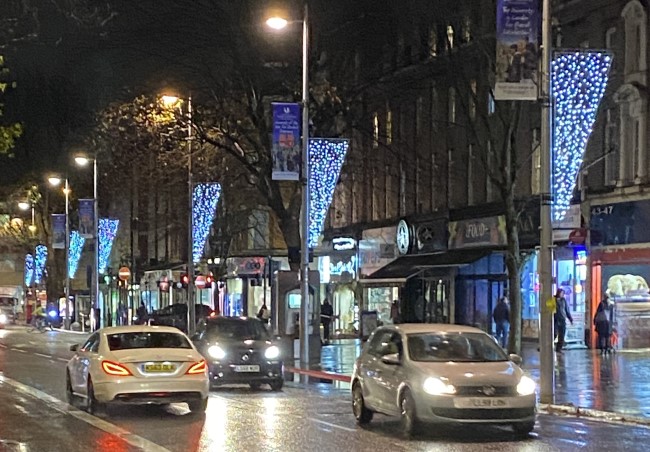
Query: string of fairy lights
29	269
579	80
40	260
107	231
74	252
205	198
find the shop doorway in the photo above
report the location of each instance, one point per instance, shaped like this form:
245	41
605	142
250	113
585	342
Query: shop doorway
438	301
476	298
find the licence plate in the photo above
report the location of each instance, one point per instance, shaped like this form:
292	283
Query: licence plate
487	402
159	367
247	368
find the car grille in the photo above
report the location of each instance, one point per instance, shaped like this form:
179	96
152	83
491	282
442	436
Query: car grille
486	391
480	413
244	356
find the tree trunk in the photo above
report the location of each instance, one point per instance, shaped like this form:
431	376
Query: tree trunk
513	258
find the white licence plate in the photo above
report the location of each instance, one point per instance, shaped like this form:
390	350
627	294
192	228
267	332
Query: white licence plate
247	368
483	402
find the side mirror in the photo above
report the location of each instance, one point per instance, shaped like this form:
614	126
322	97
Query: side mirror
392	359
515	359
74	348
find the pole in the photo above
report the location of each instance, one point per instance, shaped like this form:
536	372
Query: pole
66	324
545	264
191	314
304	255
96	233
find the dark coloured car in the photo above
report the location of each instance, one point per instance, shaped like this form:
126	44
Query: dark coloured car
176	315
239	350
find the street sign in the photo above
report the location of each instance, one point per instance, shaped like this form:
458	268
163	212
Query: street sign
578	236
199	282
124	273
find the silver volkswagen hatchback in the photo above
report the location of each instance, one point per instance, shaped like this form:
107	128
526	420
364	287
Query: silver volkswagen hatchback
434	373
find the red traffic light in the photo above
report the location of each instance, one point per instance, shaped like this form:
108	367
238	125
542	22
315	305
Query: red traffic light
185	280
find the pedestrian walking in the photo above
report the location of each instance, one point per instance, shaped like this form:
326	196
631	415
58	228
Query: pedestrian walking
562	313
394	312
142	314
501	316
326	316
603	327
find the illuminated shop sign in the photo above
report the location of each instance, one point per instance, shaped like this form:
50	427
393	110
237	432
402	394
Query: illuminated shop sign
344	243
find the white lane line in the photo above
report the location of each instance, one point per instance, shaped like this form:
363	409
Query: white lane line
62	407
42	355
329	424
63	359
18	350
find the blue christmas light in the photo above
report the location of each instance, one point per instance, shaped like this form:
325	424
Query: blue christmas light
579	80
326	158
39	263
29	269
107	233
204	206
74	252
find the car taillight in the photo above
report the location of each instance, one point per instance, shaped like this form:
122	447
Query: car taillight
112	368
197	368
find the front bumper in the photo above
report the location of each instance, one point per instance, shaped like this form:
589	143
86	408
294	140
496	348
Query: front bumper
132	390
226	373
475	410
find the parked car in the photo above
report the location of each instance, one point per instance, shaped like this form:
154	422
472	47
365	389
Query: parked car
176	315
137	364
429	373
7	310
239	350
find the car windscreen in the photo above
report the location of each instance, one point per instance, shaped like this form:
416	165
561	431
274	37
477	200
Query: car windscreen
7	301
236	329
129	341
457	347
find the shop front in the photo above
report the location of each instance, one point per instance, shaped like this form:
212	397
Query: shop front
246	288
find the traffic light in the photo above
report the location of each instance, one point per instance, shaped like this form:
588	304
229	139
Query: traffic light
185	280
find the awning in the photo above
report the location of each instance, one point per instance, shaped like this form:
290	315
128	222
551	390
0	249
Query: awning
406	267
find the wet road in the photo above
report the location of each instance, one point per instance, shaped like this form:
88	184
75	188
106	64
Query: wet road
296	419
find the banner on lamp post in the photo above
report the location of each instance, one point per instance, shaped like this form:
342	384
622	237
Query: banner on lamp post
58	231
87	218
518	31
285	148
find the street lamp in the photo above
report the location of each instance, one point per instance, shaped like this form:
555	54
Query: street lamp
279	23
82	160
171	102
24	205
55	181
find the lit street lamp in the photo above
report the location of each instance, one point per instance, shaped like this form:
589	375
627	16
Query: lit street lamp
24	205
82	160
279	23
55	181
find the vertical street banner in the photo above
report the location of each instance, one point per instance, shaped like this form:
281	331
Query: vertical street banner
87	218
517	58
285	150
58	231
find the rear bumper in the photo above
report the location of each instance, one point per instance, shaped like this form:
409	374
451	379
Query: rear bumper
225	373
136	391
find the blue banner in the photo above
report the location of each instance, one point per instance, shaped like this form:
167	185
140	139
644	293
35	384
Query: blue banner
285	150
86	218
58	231
518	32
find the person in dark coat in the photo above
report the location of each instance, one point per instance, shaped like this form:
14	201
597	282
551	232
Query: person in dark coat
326	316
141	314
501	316
603	328
562	313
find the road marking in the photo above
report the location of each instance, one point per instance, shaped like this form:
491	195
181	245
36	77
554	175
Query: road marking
42	355
329	424
63	359
62	407
18	350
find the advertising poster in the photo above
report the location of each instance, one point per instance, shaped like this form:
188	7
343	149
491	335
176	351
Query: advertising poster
58	231
517	58
86	218
286	142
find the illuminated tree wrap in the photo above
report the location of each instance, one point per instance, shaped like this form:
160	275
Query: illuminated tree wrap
204	207
29	269
39	263
107	233
326	157
579	79
74	252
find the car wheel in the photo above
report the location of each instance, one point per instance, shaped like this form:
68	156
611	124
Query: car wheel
92	405
69	394
255	386
277	385
198	406
524	428
361	413
408	416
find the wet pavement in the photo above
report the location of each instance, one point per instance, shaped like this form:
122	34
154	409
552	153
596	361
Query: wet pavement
584	378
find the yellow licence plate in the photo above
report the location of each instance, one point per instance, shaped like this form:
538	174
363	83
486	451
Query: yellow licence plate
159	367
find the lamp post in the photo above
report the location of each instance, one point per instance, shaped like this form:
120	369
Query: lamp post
83	161
55	182
24	205
280	23
170	102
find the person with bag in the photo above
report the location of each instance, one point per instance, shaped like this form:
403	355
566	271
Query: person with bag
603	328
562	313
264	314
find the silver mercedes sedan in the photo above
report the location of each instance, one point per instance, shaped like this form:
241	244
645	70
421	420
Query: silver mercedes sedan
434	373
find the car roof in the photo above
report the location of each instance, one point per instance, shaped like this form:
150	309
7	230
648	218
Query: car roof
417	328
140	329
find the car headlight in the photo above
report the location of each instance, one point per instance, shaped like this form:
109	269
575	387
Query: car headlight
526	386
272	352
3	318
435	386
216	352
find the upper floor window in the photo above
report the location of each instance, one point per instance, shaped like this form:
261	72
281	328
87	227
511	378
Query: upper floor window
472	99
433	41
609	37
375	130
450	36
492	106
635	37
467	29
418	115
452	105
389	126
